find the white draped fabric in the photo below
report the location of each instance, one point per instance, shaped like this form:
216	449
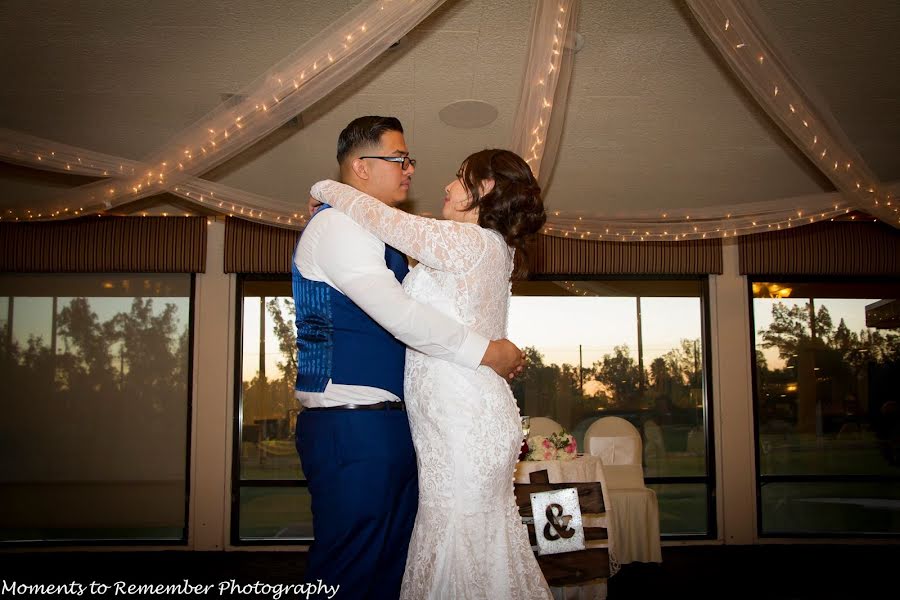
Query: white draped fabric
750	46
314	70
45	154
740	32
537	127
700	223
305	76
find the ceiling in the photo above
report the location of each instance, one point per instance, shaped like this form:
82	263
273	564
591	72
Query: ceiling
655	120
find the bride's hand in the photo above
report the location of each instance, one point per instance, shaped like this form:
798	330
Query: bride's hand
504	358
313	206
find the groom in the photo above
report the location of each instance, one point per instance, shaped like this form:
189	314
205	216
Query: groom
354	322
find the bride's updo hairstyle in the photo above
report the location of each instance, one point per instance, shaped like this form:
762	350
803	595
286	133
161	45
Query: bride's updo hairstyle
513	207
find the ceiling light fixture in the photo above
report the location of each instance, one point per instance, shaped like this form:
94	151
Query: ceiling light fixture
468	114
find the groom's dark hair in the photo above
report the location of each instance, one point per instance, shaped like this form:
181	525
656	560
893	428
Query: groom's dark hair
364	132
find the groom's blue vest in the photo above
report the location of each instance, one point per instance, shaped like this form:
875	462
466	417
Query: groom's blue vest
336	340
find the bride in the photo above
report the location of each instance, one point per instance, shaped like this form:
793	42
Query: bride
468	540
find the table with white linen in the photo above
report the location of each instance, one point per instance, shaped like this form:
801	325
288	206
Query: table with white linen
633	508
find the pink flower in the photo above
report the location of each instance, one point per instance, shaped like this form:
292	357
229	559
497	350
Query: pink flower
547	443
572	448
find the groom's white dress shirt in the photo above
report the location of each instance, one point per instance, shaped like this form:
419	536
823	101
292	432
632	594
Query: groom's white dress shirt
337	251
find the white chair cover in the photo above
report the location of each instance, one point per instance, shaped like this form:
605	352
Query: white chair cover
634	510
615	441
616	450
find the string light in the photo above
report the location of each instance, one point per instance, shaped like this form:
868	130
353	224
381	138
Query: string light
551	62
221	137
796	105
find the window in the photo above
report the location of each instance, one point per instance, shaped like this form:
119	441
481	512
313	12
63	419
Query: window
271	500
642	356
96	405
634	349
827	407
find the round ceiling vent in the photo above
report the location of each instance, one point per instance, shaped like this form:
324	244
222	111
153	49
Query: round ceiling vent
468	114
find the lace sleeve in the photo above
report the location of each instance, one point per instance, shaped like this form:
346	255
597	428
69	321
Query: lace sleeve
442	245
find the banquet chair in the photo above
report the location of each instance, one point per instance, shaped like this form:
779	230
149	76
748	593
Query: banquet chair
544	426
615	441
633	513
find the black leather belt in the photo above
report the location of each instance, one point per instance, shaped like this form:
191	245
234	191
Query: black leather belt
377	406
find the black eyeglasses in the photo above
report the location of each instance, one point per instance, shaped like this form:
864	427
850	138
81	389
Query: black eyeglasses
405	161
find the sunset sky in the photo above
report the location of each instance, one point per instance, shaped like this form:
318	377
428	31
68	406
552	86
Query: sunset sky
556	325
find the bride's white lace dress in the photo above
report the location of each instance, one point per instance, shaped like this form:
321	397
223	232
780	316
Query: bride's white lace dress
468	541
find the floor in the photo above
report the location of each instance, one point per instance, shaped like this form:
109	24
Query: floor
769	572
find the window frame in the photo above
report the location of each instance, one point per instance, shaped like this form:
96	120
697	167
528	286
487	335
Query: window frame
184	540
759	478
237	484
710	479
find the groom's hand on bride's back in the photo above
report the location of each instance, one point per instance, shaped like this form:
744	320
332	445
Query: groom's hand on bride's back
504	358
312	206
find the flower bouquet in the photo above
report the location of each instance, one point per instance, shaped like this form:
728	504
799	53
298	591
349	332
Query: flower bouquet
558	446
540	448
566	447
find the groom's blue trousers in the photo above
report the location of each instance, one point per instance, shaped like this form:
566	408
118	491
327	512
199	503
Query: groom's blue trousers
361	469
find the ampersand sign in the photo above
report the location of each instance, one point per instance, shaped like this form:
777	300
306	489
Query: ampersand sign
558	522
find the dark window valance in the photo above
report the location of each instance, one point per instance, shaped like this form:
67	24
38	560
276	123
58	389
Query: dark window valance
563	256
832	248
254	248
105	245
